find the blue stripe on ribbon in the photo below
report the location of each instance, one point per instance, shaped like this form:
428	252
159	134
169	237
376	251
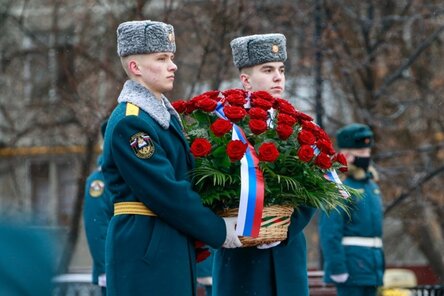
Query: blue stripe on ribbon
251	196
251	203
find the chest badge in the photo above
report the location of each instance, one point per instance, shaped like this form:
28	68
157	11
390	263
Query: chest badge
142	145
96	188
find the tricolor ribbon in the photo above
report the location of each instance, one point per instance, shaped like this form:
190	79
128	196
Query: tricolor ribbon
332	176
252	185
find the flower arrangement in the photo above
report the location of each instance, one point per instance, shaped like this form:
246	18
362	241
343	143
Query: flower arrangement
294	155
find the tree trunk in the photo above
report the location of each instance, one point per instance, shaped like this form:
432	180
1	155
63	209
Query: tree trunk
425	231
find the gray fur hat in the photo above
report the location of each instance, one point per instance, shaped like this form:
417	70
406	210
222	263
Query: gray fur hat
141	37
258	49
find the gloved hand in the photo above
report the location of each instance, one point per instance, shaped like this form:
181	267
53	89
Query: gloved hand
206	281
339	278
102	280
268	246
231	241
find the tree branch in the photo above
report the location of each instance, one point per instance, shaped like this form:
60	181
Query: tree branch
408	62
404	195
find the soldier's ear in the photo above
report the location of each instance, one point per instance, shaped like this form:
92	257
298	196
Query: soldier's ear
133	68
245	80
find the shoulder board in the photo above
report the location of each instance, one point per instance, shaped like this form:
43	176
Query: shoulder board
131	110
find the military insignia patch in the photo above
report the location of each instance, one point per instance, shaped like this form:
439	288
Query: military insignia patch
96	188
142	145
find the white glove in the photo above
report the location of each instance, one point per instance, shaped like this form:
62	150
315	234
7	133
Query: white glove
231	241
268	246
339	278
206	281
102	280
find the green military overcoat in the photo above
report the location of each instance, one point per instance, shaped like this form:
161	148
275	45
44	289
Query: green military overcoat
147	159
365	265
278	271
97	212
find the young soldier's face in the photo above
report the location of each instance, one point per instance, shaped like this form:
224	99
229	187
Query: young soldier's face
156	71
269	77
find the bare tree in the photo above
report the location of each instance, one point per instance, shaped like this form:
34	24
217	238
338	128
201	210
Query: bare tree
385	57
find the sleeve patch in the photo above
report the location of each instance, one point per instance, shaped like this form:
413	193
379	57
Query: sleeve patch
96	188
142	145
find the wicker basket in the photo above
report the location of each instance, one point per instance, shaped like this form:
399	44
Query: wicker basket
274	226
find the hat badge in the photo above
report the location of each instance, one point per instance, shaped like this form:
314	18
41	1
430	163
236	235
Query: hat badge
171	37
275	48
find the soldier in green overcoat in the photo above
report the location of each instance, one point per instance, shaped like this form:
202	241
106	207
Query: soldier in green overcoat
351	243
146	163
274	269
97	212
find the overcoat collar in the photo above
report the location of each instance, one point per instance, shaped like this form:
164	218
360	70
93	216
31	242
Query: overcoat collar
140	96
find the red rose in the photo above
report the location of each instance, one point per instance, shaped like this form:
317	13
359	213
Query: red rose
258	113
236	150
206	104
230	92
193	103
309	125
261	94
305	153
200	147
268	152
306	137
235	113
198	98
180	106
284	131
190	108
325	146
262	99
285	119
340	158
236	99
303	116
257	126
261	103
212	94
285	107
220	127
323	161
